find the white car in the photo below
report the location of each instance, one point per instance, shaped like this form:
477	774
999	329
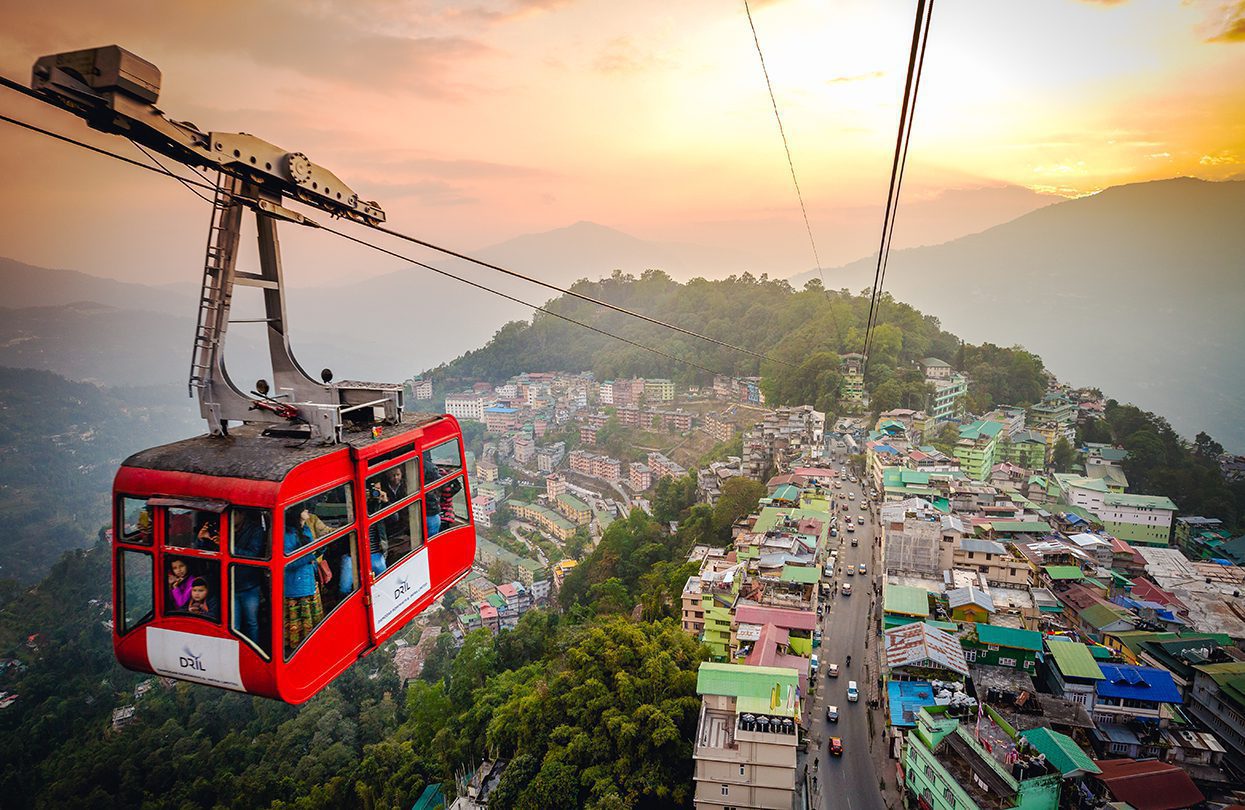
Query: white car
847	588
853	691
860	521
832	670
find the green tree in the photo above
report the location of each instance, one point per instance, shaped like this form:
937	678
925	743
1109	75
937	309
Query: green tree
1063	456
739	498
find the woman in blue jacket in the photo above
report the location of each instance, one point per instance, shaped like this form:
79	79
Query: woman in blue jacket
303	608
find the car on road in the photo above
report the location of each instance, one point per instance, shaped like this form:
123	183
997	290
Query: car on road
854	543
851	527
847	588
851	572
860	520
828	571
832	714
853	691
832	670
836	746
862	568
813	663
834	532
851	496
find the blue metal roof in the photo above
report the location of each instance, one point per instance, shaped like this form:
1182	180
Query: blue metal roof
1137	683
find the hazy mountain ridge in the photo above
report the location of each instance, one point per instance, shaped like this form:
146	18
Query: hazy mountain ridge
1137	290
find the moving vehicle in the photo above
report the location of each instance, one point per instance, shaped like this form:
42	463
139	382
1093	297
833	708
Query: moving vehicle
851	572
847	589
813	664
851	528
862	568
836	746
832	714
316	518
860	520
853	691
854	542
832	670
834	532
828	571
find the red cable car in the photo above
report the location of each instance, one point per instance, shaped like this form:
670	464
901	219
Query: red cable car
242	562
316	519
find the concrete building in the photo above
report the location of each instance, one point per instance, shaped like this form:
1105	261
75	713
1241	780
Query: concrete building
555	485
467	406
1217	699
746	738
573	509
639	476
946	766
853	371
718	428
421	389
658	390
1141	519
976	447
549	457
524	449
948	400
663	467
994	560
499	419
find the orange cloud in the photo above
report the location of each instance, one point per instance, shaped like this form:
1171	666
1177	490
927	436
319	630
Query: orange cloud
1233	25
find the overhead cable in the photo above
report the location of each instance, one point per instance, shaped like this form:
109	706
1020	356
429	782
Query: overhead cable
189	184
916	60
791	165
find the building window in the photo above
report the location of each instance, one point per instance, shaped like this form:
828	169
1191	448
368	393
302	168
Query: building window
929	772
741	770
726	790
949	796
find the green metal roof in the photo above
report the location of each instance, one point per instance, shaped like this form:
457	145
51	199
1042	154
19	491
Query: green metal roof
919	477
950	627
1061	751
980	429
1142	501
1009	637
496	600
1075	660
1100	615
787	492
1063	572
752	687
906	599
802	574
575	504
1081	482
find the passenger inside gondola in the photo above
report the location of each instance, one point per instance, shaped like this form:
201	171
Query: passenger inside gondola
250	583
192	528
309	591
177	577
202	601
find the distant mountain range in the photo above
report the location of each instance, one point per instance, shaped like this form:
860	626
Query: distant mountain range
1138	290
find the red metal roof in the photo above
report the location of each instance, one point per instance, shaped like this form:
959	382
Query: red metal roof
1148	784
780	617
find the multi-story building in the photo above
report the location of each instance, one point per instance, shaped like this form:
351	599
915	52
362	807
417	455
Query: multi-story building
853	371
639	476
1026	448
486	470
746	739
483	505
421	388
555	485
935	369
588	434
549	457
663	467
573	509
994	560
975	448
947	768
500	419
658	390
1217	699
545	518
467	406
693	613
780	438
948	400
560	570
1143	519
524	449
718	428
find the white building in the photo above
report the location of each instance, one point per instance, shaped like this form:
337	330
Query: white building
468	406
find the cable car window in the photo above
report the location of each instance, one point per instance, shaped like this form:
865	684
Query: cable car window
454	511
327	512
191	586
403	532
136	594
390	486
312	591
135	521
443	460
440	506
192	528
251	531
250	617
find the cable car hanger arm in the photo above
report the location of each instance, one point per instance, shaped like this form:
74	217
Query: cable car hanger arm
115	91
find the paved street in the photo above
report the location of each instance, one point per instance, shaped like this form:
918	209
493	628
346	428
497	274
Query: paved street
850	781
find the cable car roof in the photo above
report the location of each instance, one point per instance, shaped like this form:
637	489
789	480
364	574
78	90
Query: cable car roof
246	453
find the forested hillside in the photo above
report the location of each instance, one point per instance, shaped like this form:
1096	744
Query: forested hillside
60	444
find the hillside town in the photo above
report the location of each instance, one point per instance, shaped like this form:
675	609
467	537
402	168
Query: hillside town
920	602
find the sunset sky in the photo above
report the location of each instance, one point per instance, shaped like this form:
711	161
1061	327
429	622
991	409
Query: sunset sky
472	123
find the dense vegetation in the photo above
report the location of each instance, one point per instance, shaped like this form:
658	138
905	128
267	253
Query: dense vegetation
1161	463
